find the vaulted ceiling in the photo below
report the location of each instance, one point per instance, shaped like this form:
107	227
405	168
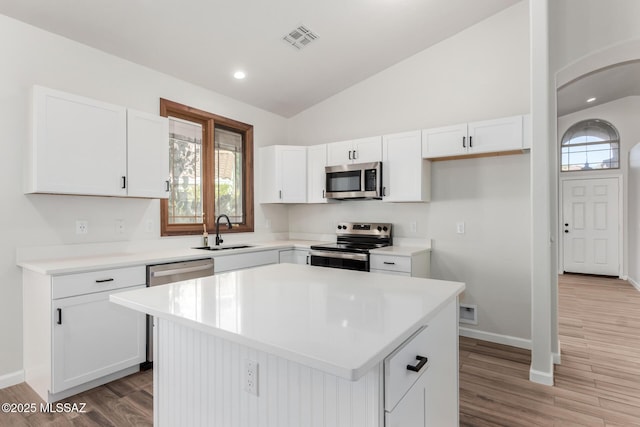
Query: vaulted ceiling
206	41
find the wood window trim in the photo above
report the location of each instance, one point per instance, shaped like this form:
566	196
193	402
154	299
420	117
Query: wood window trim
209	121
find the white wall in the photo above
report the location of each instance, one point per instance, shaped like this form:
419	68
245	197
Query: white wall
581	27
32	56
480	73
623	114
633	234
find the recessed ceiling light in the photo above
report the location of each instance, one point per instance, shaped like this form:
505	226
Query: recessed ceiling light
239	75
591	99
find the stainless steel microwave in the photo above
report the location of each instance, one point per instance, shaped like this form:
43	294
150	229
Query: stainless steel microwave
354	181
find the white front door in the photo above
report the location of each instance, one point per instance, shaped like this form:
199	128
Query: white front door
590	215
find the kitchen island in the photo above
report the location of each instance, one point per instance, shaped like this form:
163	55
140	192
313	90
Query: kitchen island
291	345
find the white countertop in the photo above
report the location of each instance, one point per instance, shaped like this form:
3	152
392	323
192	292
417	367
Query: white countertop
76	264
68	265
400	250
339	321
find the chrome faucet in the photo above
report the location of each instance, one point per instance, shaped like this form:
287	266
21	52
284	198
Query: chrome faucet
218	238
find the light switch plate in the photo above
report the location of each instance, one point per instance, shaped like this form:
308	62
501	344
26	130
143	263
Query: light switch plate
460	228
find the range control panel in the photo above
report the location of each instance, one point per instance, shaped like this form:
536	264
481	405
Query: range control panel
364	229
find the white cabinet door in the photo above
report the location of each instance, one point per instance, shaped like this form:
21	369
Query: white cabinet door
93	337
79	145
490	136
406	175
283	174
295	256
411	410
316	181
444	141
339	153
362	150
246	260
366	150
147	155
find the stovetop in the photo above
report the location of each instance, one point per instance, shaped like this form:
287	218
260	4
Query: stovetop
348	247
359	237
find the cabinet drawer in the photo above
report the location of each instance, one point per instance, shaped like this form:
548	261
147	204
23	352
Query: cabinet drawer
97	281
391	263
398	378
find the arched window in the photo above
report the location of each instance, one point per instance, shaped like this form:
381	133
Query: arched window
590	145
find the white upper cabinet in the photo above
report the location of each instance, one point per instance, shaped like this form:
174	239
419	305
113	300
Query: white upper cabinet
83	146
487	136
79	146
444	141
362	150
316	181
147	155
283	174
406	175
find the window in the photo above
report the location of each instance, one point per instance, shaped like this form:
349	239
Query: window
590	145
211	171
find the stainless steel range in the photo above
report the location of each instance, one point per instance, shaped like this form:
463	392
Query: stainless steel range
351	250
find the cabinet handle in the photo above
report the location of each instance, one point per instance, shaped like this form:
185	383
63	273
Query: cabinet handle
464	143
354	155
350	155
422	361
104	280
323	194
124	182
384	191
470	142
280	194
167	182
389	263
307	259
59	322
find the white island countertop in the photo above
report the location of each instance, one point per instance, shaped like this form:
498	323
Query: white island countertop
339	321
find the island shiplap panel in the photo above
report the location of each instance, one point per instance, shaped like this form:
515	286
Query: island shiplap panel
205	387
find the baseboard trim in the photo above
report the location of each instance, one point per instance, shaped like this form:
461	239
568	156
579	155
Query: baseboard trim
557	359
13	378
634	283
540	377
495	338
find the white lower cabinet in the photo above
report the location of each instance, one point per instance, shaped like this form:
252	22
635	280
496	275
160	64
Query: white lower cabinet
93	337
411	410
291	394
295	256
245	260
428	395
415	265
74	337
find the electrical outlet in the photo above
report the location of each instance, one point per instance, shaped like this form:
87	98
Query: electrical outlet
413	226
149	228
251	376
119	226
82	227
460	228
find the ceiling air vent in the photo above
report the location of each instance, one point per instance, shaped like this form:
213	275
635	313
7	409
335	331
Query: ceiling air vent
300	38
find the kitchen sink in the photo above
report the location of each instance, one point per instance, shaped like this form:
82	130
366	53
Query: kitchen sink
222	248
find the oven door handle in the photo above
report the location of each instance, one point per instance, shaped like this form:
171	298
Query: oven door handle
340	255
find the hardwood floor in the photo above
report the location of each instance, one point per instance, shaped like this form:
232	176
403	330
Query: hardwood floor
124	402
598	383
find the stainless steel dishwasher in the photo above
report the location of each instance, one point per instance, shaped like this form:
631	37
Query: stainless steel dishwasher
160	274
